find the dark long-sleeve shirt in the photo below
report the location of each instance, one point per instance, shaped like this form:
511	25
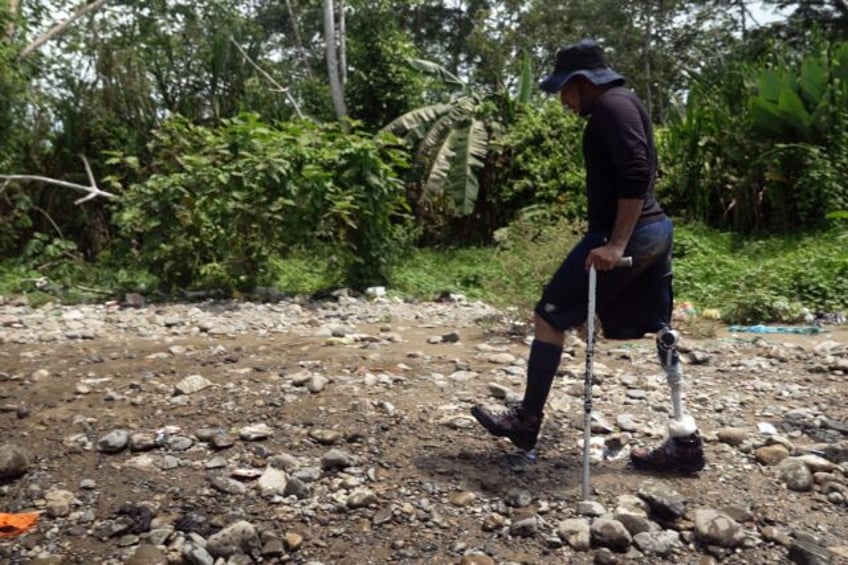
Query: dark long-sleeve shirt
620	158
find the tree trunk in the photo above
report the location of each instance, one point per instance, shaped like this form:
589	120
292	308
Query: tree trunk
332	60
60	27
649	103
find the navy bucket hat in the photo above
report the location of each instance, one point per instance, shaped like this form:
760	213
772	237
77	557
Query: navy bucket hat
585	58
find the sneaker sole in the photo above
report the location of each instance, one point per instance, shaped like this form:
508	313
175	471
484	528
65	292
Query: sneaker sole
681	469
495	430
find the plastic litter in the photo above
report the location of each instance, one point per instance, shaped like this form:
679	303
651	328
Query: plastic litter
16	524
761	329
767	429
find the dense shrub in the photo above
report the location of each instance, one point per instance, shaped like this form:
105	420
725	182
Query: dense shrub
542	163
762	145
215	205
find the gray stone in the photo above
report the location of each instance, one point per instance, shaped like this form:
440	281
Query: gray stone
361	498
771	454
809	553
192	384
113	442
837	452
518	498
272	482
256	432
576	533
142	441
237	538
228	485
337	459
59	502
716	528
195	554
732	436
297	488
146	554
528	527
590	508
665	503
657	543
796	475
635	523
611	534
605	556
14	461
817	464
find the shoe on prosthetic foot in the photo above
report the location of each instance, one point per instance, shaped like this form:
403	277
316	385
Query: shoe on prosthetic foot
680	453
683	451
511	422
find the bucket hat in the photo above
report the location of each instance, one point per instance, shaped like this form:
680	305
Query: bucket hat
585	58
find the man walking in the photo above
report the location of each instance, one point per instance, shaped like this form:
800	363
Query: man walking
625	219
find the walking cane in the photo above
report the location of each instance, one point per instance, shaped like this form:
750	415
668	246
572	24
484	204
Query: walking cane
589	374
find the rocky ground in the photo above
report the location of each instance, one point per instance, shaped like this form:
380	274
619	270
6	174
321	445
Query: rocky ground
339	432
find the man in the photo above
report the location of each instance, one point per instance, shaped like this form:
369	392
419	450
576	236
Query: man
624	220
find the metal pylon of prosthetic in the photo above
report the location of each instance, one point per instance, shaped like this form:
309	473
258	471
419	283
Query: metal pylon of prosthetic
667	340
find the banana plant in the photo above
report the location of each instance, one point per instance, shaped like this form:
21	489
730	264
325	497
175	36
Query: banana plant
453	139
800	106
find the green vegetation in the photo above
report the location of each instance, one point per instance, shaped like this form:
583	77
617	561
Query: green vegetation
233	172
747	279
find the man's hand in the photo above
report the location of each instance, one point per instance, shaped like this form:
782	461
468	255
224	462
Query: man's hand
605	257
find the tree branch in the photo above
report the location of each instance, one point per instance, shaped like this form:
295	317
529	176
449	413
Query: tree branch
60	27
93	190
14	9
279	87
300	48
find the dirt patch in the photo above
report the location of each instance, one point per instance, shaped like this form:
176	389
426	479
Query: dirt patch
393	391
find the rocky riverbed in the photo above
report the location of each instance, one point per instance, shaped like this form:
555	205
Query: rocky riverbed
339	431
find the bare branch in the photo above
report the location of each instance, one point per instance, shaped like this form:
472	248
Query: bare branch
93	190
279	87
14	12
300	48
60	27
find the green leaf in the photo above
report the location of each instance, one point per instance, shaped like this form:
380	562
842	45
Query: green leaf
525	80
770	85
813	80
434	183
839	62
438	70
792	110
415	121
766	116
471	146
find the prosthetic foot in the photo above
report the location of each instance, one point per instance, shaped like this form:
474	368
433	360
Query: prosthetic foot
683	451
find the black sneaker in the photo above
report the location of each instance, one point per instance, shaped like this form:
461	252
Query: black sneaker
510	422
676	455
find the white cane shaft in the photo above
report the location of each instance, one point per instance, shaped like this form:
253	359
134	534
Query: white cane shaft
588	379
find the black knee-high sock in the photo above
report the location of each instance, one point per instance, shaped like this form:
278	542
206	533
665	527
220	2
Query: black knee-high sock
541	369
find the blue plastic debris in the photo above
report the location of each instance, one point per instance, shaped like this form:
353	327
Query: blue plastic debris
761	329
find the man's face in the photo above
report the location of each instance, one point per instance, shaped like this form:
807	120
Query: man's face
570	96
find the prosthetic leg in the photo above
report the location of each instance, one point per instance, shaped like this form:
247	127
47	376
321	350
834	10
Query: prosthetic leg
681	425
683	450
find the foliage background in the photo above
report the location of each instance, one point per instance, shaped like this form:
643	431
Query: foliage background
189	111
